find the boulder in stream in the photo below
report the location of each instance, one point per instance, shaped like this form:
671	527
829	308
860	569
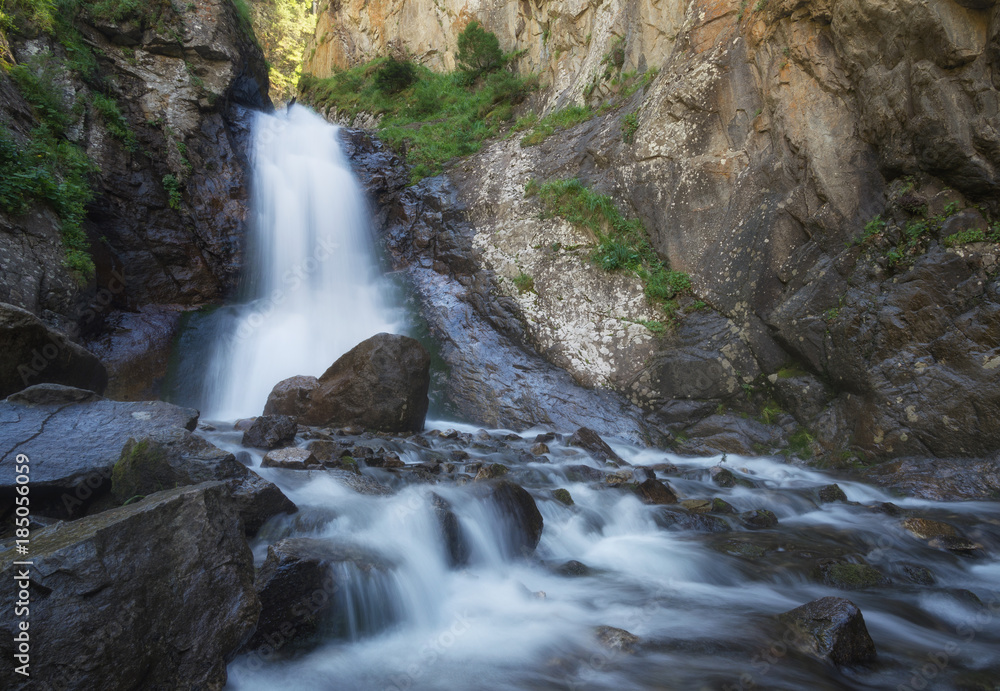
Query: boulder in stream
302	588
589	440
35	354
381	384
655	492
176	458
526	520
271	431
156	594
830	628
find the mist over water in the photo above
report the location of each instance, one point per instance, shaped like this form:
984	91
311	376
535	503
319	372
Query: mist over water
312	285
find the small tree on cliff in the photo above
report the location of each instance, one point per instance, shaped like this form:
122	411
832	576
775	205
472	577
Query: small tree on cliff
478	51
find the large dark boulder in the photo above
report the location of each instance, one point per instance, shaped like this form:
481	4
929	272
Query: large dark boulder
35	354
271	431
72	439
302	589
176	458
830	628
155	595
455	544
380	384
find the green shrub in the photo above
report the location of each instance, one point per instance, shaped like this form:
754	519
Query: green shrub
630	125
524	283
114	122
395	75
173	188
478	51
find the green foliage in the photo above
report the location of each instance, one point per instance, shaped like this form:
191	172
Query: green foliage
114	122
478	51
119	10
621	243
438	118
770	412
36	80
872	228
395	75
281	28
657	328
173	188
630	125
965	237
524	283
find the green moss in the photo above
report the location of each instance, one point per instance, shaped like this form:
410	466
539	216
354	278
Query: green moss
800	443
562	119
630	125
141	469
850	576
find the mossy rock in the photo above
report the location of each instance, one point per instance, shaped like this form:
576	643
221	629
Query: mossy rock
142	469
850	576
563	496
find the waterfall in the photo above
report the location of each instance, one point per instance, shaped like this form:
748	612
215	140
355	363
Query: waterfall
312	285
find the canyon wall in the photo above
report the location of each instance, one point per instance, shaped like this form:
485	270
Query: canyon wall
809	164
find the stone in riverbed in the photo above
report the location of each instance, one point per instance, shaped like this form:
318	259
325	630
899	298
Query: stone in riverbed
290	458
724	477
35	354
380	384
301	586
456	547
519	506
758	519
563	496
589	440
831	628
271	431
177	458
850	576
618	640
491	471
159	591
655	492
831	493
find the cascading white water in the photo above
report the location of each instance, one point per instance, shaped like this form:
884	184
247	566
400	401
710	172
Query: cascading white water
312	272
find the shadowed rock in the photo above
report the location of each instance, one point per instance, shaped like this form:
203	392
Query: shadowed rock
831	628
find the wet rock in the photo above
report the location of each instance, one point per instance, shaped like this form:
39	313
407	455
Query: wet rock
519	507
456	546
177	458
385	459
680	519
491	472
722	506
271	431
107	594
697	505
666	468
850	576
831	493
730	434
925	529
618	640
562	496
243	424
831	628
915	573
300	587
724	477
539	449
758	519
64	484
589	440
584	473
362	484
939	479
741	548
655	492
290	458
52	394
573	569
958	545
380	384
35	354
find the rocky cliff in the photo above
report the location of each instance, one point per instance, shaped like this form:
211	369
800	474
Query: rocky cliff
826	172
157	99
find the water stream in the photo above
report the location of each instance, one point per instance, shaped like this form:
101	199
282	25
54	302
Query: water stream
699	591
